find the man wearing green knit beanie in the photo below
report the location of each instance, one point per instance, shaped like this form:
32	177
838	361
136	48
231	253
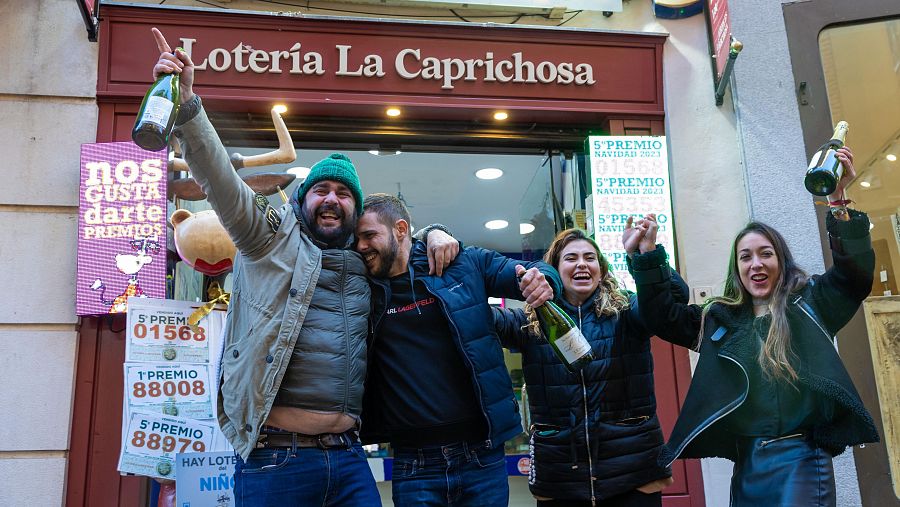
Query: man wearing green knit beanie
330	200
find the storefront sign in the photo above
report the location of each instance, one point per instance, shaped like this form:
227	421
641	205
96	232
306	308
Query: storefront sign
324	62
719	25
408	63
629	178
121	227
182	390
150	443
157	330
205	479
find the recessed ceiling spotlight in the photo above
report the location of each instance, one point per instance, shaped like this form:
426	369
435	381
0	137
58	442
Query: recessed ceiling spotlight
300	172
865	184
393	112
501	115
488	173
279	108
891	157
496	224
526	228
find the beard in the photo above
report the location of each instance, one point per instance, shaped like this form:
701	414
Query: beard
385	257
333	237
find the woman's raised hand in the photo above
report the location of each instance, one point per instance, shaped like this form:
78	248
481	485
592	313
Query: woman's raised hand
648	239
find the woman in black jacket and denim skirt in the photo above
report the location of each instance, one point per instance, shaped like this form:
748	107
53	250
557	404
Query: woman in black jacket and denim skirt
770	391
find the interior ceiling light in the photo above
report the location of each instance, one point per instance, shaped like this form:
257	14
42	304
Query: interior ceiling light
374	152
526	228
488	173
496	224
279	108
300	172
891	157
865	183
501	115
393	112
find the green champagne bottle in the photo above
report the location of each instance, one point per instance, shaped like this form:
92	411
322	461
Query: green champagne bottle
156	118
825	170
564	336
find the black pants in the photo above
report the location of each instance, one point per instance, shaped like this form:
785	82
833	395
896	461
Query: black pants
782	471
630	499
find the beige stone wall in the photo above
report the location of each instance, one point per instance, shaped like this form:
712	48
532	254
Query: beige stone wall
48	108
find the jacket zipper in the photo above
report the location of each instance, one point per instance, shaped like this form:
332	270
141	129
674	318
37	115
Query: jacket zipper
709	423
346	325
764	443
815	321
587	433
487	419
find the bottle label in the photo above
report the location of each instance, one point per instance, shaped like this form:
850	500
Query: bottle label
158	111
815	160
573	345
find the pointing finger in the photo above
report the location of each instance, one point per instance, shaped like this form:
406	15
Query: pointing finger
160	41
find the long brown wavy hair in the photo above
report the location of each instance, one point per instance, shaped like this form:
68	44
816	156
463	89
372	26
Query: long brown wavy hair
775	354
609	298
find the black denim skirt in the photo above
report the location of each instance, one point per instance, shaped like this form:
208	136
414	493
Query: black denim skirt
787	471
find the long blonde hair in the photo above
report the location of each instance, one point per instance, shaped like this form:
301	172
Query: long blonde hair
609	298
775	354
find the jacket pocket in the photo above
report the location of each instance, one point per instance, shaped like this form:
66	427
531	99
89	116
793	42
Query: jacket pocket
552	457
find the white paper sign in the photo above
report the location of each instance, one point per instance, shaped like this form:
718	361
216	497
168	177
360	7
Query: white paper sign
205	479
151	442
157	330
180	390
629	177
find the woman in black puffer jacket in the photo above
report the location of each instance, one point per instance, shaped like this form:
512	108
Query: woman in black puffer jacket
601	422
770	391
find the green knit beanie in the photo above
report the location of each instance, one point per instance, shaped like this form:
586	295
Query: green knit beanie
337	167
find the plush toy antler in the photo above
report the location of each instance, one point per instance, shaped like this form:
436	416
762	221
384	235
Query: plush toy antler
265	183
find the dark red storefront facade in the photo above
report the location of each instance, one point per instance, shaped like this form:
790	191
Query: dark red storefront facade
337	76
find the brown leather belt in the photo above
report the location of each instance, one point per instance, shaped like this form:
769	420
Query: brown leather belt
322	441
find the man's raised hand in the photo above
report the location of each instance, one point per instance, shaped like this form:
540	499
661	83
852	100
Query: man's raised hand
177	62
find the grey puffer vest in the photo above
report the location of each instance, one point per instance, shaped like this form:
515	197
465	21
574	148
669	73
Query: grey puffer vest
326	370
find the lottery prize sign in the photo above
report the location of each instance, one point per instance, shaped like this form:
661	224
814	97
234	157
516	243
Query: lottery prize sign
150	443
158	331
629	177
182	390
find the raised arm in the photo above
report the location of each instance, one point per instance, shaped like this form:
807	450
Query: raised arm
662	296
231	198
838	293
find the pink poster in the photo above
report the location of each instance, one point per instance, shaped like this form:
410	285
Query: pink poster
121	226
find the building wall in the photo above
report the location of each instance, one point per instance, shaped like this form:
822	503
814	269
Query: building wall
48	109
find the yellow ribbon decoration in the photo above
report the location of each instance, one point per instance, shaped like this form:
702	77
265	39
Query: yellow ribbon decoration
216	296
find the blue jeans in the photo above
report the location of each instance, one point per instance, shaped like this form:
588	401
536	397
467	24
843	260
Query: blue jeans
307	476
454	475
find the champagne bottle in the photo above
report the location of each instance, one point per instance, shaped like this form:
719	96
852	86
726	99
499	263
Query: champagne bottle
564	336
825	170
156	118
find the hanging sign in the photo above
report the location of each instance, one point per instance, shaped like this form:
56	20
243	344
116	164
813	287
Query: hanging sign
719	32
151	442
121	227
157	330
629	178
182	390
